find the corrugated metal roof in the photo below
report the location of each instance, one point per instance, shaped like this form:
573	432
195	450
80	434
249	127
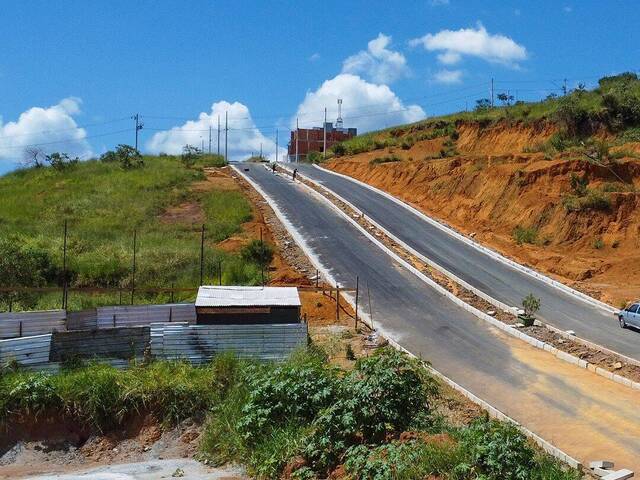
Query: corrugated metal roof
231	296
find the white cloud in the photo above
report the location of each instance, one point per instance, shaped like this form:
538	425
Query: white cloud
314	57
366	106
54	127
377	63
476	42
243	138
448	76
438	3
567	9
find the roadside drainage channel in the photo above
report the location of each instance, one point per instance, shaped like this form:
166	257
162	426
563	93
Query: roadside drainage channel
509	329
492	253
492	411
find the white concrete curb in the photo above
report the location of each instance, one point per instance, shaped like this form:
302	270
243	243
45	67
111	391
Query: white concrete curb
493	412
483	316
492	253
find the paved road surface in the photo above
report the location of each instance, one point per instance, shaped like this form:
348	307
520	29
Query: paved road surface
500	281
585	415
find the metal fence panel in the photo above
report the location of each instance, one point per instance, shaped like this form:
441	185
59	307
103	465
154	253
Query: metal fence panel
82	320
16	324
26	351
137	315
199	343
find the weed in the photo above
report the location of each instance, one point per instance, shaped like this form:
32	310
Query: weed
387	159
598	243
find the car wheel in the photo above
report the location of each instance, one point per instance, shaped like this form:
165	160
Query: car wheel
623	324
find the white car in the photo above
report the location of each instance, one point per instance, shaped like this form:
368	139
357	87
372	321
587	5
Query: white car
630	316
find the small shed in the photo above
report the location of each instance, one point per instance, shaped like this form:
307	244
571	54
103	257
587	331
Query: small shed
231	305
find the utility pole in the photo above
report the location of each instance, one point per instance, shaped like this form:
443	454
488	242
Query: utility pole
218	134
491	92
209	139
202	255
564	87
324	135
226	134
276	145
297	135
139	126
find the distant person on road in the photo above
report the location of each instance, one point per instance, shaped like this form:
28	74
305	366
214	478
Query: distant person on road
295	172
273	167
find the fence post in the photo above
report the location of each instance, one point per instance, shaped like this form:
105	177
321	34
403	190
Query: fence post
370	312
170	314
20	329
219	272
173	286
337	302
357	294
64	267
114	320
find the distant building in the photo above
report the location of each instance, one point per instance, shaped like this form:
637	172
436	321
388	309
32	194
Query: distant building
305	140
234	305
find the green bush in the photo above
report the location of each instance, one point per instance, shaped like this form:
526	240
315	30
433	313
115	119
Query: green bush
592	200
525	235
258	252
497	450
314	157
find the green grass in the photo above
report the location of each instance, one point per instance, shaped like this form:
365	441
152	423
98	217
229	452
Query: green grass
103	204
264	415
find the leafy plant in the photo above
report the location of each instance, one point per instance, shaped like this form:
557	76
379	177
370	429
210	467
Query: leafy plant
531	305
258	252
128	157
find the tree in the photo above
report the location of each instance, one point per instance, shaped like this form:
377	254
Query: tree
33	157
189	155
129	157
60	161
109	157
505	98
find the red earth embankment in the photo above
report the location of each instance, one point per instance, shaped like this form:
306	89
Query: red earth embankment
490	187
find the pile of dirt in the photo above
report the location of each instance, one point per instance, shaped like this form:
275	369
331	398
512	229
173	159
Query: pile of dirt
50	444
491	187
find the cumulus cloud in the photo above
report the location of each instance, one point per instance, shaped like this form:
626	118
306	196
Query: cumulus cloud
474	42
53	129
448	76
243	138
377	63
366	106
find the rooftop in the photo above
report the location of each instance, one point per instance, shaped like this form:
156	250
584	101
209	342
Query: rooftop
232	296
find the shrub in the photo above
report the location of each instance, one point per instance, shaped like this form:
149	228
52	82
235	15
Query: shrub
60	161
339	149
129	157
497	450
314	157
593	200
189	155
579	184
258	252
525	235
531	305
573	115
598	243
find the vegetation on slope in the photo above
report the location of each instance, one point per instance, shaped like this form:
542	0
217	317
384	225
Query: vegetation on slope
104	202
305	416
614	107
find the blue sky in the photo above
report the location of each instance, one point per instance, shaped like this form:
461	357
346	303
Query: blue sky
73	72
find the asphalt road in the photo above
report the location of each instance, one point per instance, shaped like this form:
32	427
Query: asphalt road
495	278
585	415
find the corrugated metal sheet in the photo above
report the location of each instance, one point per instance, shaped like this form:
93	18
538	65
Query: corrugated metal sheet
231	296
33	323
83	320
27	351
120	342
138	315
199	343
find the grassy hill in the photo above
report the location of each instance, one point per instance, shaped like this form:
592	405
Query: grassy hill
613	107
103	205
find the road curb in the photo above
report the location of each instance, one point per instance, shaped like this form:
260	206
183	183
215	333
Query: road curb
560	354
492	253
493	412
